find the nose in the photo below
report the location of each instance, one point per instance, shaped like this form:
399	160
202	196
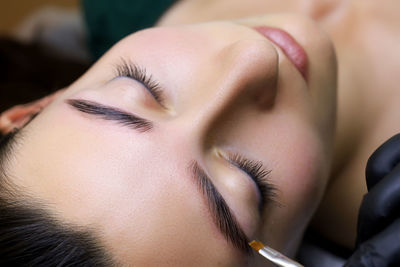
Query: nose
245	78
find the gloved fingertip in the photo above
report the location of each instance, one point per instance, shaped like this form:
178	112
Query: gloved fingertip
382	161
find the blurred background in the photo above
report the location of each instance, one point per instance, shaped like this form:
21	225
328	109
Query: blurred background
45	45
12	13
42	48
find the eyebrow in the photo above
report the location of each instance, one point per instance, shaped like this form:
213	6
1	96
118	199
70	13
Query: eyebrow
109	113
221	213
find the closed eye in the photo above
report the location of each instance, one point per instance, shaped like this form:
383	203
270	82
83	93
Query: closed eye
133	71
259	174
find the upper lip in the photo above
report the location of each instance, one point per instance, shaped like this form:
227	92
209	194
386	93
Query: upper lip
288	45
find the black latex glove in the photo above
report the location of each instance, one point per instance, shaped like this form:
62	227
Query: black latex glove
378	230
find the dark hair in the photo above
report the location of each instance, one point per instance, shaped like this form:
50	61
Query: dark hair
31	236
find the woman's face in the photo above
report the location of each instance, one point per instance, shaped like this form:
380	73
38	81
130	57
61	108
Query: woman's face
165	175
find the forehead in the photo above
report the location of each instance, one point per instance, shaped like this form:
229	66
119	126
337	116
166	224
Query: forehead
92	164
102	171
143	199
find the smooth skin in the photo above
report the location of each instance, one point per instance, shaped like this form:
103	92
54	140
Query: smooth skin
366	36
134	188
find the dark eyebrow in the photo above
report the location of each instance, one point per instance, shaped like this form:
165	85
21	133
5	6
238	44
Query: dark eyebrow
111	113
222	215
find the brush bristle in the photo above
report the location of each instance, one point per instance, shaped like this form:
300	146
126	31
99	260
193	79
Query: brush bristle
256	245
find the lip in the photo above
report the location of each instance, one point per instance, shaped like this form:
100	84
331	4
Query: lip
295	52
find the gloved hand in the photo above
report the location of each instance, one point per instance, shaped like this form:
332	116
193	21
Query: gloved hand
378	230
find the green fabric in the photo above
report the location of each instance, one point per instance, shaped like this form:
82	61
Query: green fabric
108	21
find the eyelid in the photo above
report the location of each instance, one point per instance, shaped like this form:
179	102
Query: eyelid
131	70
258	174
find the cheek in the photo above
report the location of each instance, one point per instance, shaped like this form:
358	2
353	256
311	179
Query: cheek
300	171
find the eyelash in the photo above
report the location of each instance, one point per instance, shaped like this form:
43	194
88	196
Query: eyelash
258	174
131	70
254	169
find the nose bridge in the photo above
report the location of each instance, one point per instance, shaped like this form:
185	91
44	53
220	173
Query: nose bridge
247	76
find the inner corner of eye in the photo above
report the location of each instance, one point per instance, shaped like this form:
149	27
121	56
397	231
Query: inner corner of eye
220	153
217	152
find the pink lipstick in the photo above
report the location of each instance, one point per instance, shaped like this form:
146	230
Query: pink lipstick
289	46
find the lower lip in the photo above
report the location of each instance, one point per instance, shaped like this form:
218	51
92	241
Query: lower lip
289	46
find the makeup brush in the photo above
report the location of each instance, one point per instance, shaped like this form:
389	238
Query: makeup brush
273	255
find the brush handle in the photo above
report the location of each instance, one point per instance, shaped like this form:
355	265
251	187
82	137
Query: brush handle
278	258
